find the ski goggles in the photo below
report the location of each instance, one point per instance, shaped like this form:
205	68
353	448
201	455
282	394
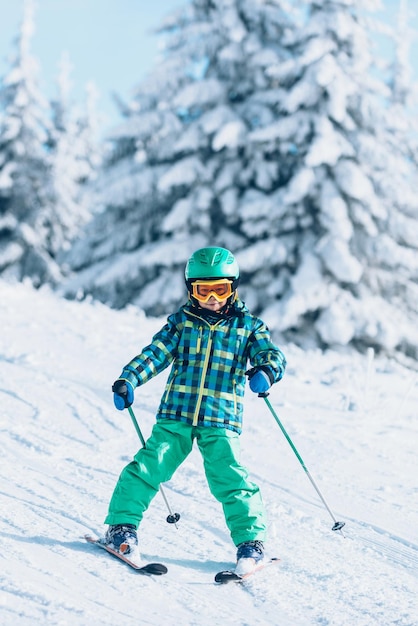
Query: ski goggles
221	289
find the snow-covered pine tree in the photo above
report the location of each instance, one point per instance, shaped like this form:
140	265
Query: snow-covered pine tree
74	159
24	168
403	107
350	267
90	147
69	213
403	36
183	172
277	144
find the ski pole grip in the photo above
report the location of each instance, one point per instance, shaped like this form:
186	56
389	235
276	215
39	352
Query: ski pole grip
264	394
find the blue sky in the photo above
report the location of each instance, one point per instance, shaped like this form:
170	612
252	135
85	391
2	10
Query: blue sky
108	41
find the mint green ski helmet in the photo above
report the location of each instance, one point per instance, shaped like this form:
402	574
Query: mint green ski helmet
212	262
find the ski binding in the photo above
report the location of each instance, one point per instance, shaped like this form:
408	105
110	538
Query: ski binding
229	576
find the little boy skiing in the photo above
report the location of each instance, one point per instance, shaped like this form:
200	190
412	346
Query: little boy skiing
209	341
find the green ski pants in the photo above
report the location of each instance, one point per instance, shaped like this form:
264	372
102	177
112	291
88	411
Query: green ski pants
168	446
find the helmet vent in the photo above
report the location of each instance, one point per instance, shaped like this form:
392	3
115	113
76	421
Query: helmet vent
212	262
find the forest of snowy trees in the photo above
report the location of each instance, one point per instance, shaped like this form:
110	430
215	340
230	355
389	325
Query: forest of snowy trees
48	155
270	127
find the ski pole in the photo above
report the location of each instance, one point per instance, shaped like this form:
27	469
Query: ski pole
172	518
337	525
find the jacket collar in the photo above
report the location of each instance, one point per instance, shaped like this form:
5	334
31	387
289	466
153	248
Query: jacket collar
237	309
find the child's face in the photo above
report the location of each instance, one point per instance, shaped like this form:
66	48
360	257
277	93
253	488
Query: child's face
213	304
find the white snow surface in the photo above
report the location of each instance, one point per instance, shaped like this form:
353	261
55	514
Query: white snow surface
352	418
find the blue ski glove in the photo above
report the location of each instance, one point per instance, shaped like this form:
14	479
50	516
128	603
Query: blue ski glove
123	394
261	378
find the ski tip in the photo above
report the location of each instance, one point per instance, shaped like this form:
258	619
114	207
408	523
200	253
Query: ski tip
157	569
227	577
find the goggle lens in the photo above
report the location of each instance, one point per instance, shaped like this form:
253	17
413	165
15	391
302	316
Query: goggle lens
220	289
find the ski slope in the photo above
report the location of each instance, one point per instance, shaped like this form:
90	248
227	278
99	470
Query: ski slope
353	419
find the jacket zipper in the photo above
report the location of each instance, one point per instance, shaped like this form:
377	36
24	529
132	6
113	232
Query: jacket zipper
207	349
202	379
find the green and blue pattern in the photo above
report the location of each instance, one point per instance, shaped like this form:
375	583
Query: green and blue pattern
207	380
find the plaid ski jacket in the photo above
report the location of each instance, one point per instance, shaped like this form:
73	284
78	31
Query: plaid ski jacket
207	380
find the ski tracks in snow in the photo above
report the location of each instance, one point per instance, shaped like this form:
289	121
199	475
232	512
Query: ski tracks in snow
63	446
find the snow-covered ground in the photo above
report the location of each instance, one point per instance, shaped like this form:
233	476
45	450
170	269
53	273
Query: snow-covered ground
352	418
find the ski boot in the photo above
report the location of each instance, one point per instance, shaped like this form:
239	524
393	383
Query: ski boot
249	555
123	539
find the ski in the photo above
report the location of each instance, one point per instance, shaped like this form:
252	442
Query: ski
155	569
229	576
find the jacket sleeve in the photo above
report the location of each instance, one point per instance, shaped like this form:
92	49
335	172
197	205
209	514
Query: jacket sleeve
155	357
263	352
